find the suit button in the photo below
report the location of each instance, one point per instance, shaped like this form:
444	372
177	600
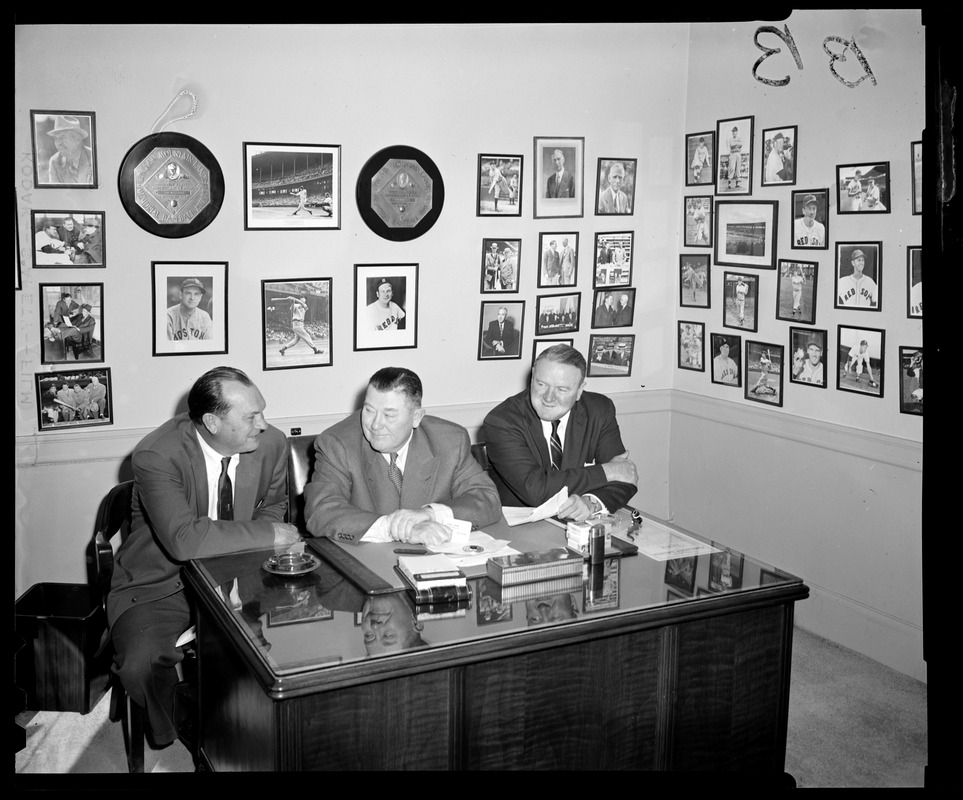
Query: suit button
133	599
178	584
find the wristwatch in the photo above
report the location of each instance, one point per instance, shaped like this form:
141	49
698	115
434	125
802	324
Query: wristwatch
594	504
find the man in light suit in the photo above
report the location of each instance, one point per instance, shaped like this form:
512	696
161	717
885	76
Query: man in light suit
560	182
501	338
613	200
593	462
352	496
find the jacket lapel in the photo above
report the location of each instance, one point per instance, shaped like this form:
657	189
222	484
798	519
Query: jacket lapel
421	468
245	485
574	436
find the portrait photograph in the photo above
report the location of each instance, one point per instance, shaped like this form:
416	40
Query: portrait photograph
615	187
859	273
557	313
680	573
613	308
540	345
779	152
292	186
863	188
500	330
699	158
694	280
860	354
809	353
734	160
796	291
296	320
692	349
916	156
74	398
746	233
740	301
764	369
698	222
726	351
189	302
500	264
914	282
557	259
68	239
911	381
610	356
810	219
559	177
64	149
613	259
499	181
71	322
385	306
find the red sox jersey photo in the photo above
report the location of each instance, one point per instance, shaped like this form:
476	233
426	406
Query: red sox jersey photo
857	292
196	326
804	235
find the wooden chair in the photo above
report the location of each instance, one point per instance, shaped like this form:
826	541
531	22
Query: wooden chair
84	345
480	452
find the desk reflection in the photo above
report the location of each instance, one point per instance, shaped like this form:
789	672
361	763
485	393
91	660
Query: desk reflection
555	608
388	624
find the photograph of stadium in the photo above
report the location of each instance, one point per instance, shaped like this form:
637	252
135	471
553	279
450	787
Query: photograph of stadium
745	233
292	186
296	317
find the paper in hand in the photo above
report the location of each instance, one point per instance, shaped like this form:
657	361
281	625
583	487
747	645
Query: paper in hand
516	515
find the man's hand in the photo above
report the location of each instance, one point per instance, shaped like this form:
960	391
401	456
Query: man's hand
401	522
575	508
621	469
285	534
429	533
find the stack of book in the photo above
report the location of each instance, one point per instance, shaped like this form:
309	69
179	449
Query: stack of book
434	579
539	573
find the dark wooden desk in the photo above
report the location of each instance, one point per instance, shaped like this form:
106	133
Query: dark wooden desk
654	677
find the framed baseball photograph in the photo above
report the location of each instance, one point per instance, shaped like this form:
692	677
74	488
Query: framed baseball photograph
68	239
863	188
385	306
692	349
796	291
499	186
725	570
810	220
613	308
74	398
740	295
694	280
914	282
189	303
296	320
745	233
859	274
557	259
500	330
292	187
559	176
500	262
64	149
680	573
699	158
726	356
610	356
613	259
916	159
808	348
697	222
734	159
911	381
615	187
540	345
780	148
557	313
764	369
860	353
71	322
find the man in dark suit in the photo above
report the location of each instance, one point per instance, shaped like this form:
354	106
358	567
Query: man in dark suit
501	338
560	182
391	472
588	456
207	482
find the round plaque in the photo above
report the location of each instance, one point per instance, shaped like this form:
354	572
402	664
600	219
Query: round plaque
400	193
171	185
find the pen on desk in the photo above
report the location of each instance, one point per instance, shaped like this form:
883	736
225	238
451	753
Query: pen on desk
411	551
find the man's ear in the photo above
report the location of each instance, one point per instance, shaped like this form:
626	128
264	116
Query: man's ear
417	417
210	422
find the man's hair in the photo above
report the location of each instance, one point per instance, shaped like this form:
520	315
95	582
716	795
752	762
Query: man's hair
398	379
563	354
207	395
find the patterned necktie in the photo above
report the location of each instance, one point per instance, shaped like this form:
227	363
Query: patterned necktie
225	492
394	473
556	446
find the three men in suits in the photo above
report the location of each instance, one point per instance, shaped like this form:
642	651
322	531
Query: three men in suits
560	182
501	338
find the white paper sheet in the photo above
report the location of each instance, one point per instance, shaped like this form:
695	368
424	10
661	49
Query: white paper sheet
518	515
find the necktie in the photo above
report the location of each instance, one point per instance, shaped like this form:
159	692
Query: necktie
225	492
394	473
556	446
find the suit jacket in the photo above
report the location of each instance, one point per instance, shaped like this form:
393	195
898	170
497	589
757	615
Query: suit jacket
520	464
565	188
609	203
350	487
169	521
509	337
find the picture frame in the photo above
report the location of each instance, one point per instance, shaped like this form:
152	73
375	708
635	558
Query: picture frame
916	181
557	197
615	187
860	350
71	323
746	233
695	280
540	345
914	282
725	570
61	407
809	350
385	306
863	188
764	372
859	273
610	356
740	304
190	307
291	187
499	180
911	380
810	220
692	350
613	259
613	308
604	594
680	573
734	145
64	149
700	151
558	259
780	151
304	607
68	239
500	330
796	291
500	265
296	323
557	313
697	221
488	609
726	359
18	277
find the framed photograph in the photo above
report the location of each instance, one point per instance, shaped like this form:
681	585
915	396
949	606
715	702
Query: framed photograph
540	345
694	279
680	573
808	346
613	259
500	330
68	239
189	307
699	158
602	589
796	291
557	313
500	265
613	308
745	233
764	370
292	187
863	188
610	356
916	157
385	306
914	282
489	610
740	305
779	153
64	149
697	222
810	220
734	164
296	320
559	176
499	192
692	349
74	398
615	187
725	570
859	273
18	280
71	322
911	380
860	354
558	259
726	355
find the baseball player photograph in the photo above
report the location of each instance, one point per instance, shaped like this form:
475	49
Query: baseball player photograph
810	224
698	222
691	350
779	156
694	281
734	169
741	293
860	354
699	158
858	275
383	307
725	363
807	347
863	188
914	282
296	317
292	186
911	380
796	291
184	317
764	372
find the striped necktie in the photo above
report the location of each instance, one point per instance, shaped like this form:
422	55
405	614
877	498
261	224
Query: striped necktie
225	492
556	447
394	473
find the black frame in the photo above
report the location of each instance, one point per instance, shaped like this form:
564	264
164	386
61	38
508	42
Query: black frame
690	226
367	279
846	173
799	340
735	346
79	218
731	280
723	256
680	573
699	262
511	209
46	321
630	166
570	328
848	336
790	178
318	288
598	367
598	300
42	148
687	346
745	169
916	179
569	206
620	240
873	269
501	245
44	380
784	291
558	236
754	389
174	273
914	267
538	345
486	318
707	169
799	239
911	380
